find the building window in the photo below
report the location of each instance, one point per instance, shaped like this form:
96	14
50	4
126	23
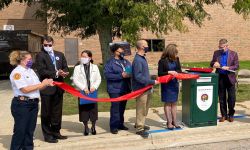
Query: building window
156	45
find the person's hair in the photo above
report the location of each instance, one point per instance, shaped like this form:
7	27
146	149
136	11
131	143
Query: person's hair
170	52
139	44
17	56
223	41
89	53
47	38
115	47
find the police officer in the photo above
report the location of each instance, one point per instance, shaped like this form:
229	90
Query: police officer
24	108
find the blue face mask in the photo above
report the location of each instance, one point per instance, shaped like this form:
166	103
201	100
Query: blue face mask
146	49
29	64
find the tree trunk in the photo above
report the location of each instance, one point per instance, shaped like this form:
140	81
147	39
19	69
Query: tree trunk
105	37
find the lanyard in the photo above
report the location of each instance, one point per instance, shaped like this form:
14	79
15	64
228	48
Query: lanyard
120	64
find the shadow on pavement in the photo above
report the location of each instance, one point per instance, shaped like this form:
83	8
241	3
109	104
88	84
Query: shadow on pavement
244	117
148	122
5	85
5	140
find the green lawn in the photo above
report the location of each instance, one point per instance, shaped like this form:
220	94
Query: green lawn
71	104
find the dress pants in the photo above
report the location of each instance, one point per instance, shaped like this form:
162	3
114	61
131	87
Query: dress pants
142	106
117	110
51	114
226	88
25	117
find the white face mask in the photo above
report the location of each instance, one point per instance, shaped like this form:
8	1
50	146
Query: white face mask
48	49
84	60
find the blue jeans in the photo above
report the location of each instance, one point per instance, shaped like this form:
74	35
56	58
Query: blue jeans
117	110
25	117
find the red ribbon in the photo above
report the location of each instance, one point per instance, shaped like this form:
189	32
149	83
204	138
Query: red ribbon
129	96
205	70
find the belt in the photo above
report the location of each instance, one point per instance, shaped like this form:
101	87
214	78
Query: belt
25	98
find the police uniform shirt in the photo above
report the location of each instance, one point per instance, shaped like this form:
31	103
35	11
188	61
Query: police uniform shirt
22	77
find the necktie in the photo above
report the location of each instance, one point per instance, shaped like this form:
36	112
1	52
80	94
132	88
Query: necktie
52	56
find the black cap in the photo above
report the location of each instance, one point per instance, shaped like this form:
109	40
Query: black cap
115	47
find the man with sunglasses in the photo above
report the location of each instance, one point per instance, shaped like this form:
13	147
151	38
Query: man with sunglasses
51	64
226	62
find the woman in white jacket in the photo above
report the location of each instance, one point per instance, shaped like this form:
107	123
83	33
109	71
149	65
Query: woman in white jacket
87	78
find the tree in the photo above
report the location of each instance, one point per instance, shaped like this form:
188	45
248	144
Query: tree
121	18
5	3
242	7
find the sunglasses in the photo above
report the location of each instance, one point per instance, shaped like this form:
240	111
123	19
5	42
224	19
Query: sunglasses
47	45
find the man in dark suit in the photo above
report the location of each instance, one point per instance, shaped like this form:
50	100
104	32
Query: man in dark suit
51	64
226	62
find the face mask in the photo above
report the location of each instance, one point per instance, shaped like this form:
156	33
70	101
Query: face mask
84	60
48	49
146	49
122	54
29	64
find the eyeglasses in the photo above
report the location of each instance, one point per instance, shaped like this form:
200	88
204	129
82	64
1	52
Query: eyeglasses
47	45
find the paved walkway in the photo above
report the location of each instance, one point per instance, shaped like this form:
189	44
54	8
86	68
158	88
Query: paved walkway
160	138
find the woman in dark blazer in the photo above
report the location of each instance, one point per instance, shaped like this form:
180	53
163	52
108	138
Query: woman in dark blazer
169	64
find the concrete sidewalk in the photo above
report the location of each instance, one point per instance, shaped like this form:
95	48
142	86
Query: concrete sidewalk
127	140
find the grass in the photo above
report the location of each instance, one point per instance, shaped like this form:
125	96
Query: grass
71	103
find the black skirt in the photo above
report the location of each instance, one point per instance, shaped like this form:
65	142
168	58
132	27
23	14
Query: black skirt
88	112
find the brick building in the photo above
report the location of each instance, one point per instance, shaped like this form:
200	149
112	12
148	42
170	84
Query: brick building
196	45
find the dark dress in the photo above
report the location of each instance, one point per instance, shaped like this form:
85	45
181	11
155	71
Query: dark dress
170	90
88	111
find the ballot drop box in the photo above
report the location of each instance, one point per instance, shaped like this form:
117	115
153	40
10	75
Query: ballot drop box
199	100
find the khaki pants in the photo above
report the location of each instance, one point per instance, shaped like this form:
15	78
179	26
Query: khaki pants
142	106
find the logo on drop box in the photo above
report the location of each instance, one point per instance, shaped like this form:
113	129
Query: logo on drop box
204	97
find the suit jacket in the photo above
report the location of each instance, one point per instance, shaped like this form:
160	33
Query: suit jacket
232	63
163	66
80	80
46	69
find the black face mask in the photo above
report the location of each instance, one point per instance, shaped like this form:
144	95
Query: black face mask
146	49
122	54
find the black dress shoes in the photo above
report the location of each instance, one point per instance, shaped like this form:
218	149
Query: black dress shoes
51	140
143	133
145	127
86	131
170	128
114	131
93	131
59	136
176	125
123	128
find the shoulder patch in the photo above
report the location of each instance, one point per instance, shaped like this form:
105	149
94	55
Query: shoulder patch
17	76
